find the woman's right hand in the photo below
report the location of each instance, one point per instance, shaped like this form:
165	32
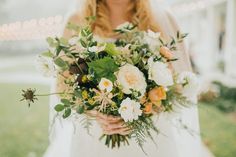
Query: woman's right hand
110	124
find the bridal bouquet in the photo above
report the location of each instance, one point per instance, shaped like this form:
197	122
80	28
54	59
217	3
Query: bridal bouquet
129	77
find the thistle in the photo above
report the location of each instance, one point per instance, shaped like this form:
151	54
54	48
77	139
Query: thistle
29	96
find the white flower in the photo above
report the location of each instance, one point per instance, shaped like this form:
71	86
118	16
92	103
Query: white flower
105	84
160	73
45	66
124	25
130	77
125	50
97	48
130	110
190	84
152	39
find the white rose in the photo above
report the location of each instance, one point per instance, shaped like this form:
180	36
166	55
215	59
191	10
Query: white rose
105	84
130	77
160	73
152	39
130	110
190	84
97	49
45	66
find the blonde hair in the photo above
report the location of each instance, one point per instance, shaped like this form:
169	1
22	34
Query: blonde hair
138	11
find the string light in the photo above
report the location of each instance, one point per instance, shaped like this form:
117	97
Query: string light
32	29
50	26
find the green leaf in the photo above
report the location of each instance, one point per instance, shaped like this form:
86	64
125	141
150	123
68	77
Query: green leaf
111	49
60	62
72	26
104	68
67	113
51	42
83	43
80	109
64	41
48	54
59	107
66	102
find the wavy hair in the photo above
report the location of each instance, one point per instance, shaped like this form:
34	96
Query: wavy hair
138	11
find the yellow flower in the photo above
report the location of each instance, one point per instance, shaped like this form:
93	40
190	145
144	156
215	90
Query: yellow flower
91	101
84	79
85	94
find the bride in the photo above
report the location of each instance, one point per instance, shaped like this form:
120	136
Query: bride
179	135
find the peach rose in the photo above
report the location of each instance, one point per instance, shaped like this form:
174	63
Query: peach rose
165	52
157	94
148	108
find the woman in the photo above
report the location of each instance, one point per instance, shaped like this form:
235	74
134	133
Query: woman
174	141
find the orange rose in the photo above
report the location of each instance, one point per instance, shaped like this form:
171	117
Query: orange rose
157	94
165	52
148	108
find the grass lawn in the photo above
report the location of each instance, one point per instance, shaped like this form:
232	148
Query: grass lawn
218	131
23	130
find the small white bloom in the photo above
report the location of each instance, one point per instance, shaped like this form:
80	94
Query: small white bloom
152	39
160	73
124	25
154	35
130	77
130	110
125	50
105	84
190	84
97	48
45	66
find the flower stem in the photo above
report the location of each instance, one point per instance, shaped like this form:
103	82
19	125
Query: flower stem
52	94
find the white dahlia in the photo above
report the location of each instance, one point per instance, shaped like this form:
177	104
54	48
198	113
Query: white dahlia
130	110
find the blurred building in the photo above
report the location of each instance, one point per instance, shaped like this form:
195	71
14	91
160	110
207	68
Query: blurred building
212	28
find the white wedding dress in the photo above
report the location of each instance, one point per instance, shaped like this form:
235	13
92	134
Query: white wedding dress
69	139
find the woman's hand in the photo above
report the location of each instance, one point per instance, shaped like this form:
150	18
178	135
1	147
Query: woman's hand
110	124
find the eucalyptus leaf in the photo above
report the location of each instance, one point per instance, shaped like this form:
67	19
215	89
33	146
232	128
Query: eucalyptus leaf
63	41
59	107
67	113
51	42
80	109
60	62
48	54
66	102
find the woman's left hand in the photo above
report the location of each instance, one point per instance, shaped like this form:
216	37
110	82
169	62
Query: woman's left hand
110	124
